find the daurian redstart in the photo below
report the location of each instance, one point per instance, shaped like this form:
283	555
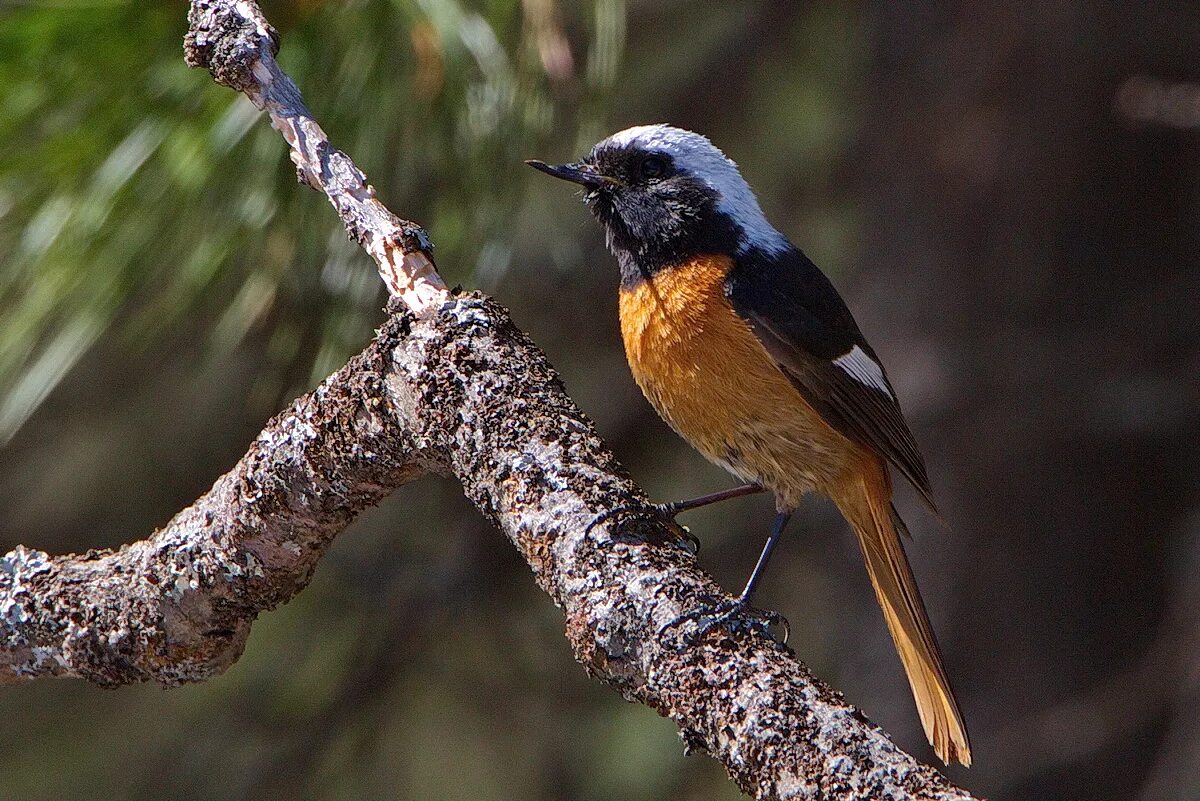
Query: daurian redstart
746	349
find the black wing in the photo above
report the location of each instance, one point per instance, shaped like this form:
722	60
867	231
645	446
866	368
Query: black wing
804	324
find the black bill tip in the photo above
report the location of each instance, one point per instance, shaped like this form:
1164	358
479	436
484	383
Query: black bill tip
540	165
581	173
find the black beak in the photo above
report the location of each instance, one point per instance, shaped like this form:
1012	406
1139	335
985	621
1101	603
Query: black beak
580	173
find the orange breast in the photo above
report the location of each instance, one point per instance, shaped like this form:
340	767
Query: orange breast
701	367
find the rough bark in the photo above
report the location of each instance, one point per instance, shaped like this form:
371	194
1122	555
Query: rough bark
448	385
177	606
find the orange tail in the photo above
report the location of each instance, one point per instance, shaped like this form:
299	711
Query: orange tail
866	503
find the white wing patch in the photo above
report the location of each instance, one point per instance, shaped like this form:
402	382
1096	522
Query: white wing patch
863	369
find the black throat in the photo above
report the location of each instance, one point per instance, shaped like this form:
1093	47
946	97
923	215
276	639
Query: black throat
640	257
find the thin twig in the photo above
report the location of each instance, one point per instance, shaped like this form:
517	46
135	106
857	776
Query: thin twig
236	44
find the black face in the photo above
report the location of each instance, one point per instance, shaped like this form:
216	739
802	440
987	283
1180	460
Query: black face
656	215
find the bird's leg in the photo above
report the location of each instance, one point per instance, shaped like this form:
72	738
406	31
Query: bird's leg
672	509
668	511
727	612
760	567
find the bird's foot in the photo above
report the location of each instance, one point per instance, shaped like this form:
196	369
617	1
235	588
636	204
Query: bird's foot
663	511
733	616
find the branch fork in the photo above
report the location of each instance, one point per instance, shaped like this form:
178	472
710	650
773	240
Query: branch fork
449	385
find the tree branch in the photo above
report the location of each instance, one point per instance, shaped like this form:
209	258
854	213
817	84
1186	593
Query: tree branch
236	44
448	385
177	606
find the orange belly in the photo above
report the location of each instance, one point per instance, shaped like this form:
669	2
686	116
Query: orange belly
707	375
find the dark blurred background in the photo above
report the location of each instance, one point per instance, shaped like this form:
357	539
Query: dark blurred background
1007	194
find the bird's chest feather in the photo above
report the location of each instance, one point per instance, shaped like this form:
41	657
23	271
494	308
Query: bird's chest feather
702	368
681	335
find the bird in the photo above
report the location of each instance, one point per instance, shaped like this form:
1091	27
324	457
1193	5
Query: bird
745	348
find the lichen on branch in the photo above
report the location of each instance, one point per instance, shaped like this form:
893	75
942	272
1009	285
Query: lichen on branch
449	385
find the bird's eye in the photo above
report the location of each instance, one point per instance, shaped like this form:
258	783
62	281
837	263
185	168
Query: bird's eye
653	167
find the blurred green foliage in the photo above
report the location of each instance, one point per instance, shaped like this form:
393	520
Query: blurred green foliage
161	267
137	193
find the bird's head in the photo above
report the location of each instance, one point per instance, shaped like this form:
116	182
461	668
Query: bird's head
665	194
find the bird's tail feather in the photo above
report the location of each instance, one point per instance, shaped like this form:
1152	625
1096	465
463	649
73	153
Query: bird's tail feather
866	503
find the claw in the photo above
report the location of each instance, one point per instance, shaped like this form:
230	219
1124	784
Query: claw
693	542
732	615
608	514
664	511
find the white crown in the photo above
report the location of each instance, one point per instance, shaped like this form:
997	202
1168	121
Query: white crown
700	158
